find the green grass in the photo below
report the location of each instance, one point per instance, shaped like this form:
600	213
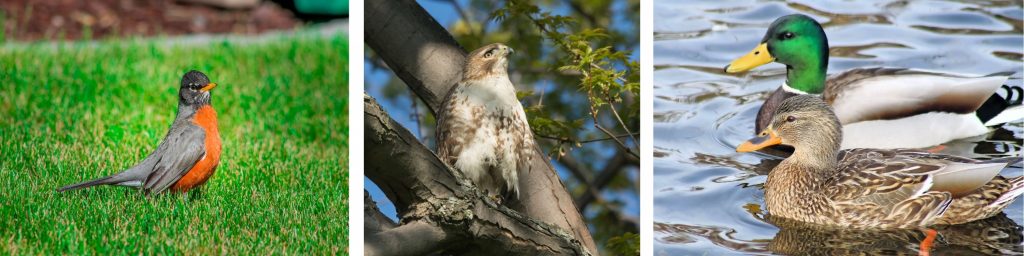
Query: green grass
71	112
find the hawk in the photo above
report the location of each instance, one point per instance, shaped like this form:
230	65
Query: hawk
481	129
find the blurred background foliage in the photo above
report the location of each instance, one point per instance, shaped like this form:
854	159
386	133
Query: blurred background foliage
577	73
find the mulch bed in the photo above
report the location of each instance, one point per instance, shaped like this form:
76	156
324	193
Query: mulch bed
33	20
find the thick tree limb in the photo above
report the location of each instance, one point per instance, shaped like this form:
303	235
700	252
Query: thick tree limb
425	56
418	49
374	221
440	213
414	238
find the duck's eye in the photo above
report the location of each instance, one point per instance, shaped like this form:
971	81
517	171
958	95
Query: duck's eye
787	35
790	119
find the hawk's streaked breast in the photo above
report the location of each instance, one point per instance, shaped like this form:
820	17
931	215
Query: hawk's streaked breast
482	129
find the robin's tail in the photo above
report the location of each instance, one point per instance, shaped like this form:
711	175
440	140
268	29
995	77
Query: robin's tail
999	109
101	181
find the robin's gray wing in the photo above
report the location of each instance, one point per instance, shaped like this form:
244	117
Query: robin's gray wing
181	150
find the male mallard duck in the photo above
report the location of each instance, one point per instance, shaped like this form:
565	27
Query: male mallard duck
879	107
872	188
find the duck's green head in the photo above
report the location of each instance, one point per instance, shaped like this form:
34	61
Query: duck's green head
797	41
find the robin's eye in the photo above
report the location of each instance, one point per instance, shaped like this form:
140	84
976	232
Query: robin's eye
790	119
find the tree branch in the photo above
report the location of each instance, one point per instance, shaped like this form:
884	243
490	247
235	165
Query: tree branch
439	212
425	56
414	238
375	220
611	169
574	140
593	186
580	10
418	49
597	124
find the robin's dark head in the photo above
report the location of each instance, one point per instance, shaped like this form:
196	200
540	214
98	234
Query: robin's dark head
195	88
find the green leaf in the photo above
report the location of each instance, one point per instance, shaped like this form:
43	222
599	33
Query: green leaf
626	244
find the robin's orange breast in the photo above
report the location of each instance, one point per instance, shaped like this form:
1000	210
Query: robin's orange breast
207	119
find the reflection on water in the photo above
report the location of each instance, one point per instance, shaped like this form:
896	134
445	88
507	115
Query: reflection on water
998	235
708	198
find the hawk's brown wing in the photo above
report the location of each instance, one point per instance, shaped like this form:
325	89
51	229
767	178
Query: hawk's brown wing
526	148
451	132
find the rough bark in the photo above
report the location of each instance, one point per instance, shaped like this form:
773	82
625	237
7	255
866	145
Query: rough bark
425	56
418	49
439	212
375	220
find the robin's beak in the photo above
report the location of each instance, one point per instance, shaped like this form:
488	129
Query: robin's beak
208	87
757	57
766	139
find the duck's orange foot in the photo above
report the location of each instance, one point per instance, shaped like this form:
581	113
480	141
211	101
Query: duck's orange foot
926	244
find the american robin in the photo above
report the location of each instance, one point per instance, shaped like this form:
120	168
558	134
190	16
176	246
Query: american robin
189	153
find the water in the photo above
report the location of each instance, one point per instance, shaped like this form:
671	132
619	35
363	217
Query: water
708	199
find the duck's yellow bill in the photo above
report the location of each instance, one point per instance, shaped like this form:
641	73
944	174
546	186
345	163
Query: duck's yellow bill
757	57
766	139
208	87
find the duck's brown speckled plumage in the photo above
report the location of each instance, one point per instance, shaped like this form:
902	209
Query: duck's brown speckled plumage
872	187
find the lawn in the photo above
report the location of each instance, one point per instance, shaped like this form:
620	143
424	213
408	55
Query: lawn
76	111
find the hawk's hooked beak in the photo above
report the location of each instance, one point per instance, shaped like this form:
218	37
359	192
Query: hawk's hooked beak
767	138
757	57
208	87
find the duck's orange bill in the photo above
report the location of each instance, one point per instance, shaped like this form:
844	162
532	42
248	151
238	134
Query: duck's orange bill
756	57
766	139
208	87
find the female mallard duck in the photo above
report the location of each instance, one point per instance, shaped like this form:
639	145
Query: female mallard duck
879	107
872	188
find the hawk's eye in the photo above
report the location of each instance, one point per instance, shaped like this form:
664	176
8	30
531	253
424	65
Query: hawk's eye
489	53
787	35
790	119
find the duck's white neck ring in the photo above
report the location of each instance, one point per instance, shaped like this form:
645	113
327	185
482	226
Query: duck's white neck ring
785	87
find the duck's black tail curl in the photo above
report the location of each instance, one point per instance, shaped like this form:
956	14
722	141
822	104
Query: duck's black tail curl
997	103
